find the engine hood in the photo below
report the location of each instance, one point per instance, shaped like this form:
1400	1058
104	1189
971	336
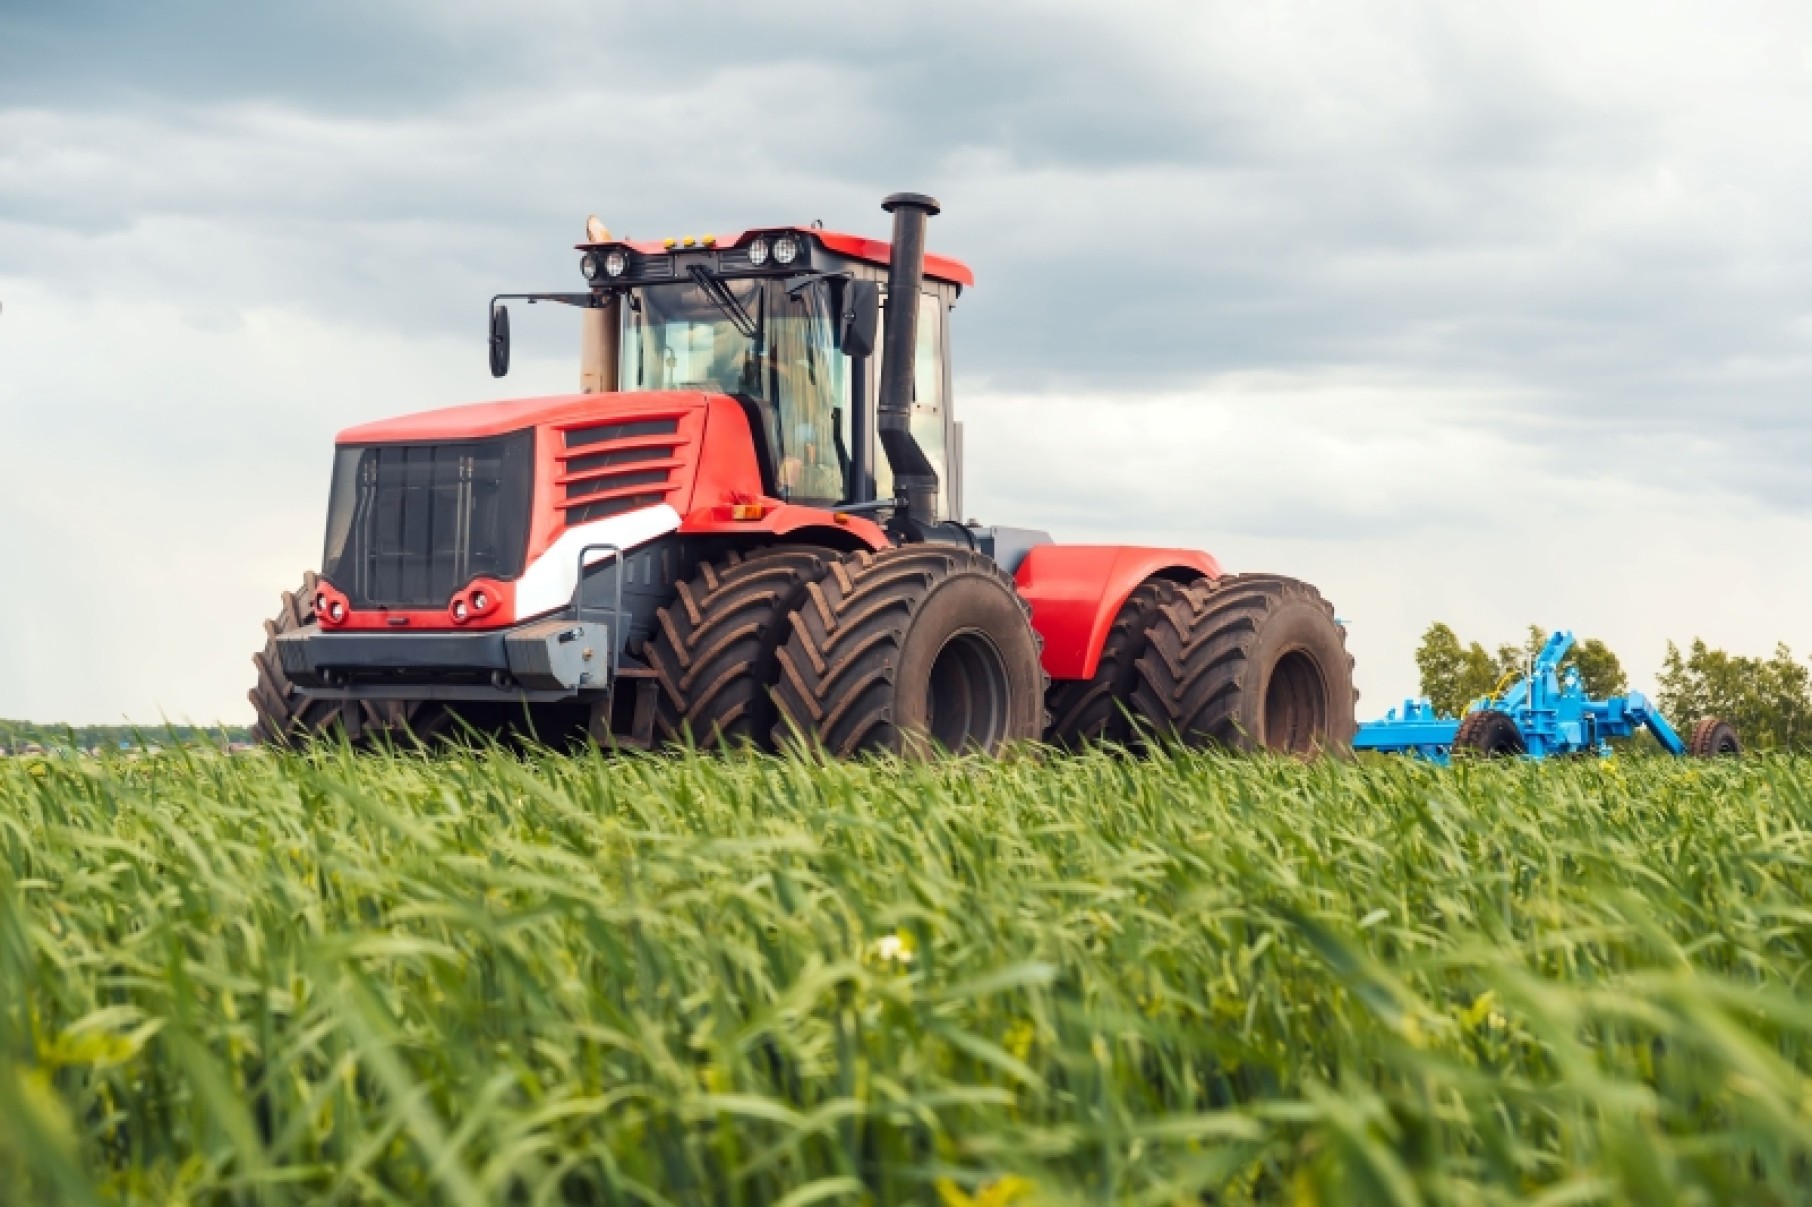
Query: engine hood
476	420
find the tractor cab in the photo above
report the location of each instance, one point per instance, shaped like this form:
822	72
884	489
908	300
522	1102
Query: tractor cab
787	322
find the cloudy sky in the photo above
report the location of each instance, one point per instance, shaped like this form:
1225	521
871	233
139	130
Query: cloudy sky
1478	312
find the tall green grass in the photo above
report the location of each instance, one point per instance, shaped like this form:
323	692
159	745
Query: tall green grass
485	978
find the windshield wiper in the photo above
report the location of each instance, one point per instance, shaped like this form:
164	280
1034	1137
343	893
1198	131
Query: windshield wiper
721	297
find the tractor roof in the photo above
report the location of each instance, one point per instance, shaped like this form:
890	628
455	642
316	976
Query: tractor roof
859	247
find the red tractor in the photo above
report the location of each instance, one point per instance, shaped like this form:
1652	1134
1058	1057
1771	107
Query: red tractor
747	530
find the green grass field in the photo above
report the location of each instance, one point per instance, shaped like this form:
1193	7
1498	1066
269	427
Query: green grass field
482	978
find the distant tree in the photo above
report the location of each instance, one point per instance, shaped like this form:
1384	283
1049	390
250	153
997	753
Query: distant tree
1768	700
1599	668
1454	674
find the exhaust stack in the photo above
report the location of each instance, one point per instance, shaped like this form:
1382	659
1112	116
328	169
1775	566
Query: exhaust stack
913	474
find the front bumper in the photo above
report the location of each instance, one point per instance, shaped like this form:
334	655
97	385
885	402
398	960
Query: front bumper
543	660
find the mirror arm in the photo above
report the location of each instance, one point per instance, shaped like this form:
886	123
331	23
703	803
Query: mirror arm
587	301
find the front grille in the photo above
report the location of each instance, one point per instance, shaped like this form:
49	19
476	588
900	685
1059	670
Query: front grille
409	524
611	468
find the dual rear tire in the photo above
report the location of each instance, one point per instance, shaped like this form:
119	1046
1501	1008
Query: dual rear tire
1247	662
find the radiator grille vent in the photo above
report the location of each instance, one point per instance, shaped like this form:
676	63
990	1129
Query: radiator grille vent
626	466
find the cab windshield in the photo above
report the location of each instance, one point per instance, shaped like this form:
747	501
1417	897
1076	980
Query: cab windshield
751	339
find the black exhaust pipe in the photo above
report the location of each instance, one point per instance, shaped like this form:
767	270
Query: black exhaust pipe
914	478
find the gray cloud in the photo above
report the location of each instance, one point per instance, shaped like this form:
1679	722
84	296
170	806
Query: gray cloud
1562	241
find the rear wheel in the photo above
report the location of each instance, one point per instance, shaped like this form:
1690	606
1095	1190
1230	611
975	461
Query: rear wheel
1488	734
287	718
1085	711
1247	662
1713	738
911	650
713	652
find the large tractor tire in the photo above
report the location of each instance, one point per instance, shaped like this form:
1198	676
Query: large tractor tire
287	718
1247	662
713	651
911	650
1088	711
1712	739
1488	734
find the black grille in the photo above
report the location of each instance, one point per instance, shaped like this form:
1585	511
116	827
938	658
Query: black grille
603	434
409	524
623	456
610	507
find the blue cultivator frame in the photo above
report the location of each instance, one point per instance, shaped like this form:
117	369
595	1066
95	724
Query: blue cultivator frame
1549	707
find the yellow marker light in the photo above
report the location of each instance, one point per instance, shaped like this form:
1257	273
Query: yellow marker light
666	242
747	511
688	241
709	240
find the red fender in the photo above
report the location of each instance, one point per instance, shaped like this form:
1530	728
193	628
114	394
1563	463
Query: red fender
1076	590
788	521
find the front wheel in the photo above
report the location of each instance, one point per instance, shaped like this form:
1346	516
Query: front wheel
287	718
912	650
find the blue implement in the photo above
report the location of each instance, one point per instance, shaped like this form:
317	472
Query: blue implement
1548	706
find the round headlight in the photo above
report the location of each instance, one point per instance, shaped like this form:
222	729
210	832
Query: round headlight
786	249
758	252
459	609
588	266
481	601
616	264
337	611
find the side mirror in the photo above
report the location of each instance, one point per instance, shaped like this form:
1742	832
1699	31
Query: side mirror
861	318
500	340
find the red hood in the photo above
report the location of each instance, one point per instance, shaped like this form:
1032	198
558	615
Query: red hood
479	419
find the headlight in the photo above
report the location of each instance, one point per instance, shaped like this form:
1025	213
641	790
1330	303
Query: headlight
758	252
336	611
459	609
481	601
588	266
616	264
786	249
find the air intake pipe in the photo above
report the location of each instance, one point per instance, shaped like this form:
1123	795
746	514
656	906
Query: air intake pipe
914	477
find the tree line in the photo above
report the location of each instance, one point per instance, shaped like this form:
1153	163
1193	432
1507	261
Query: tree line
1768	700
16	735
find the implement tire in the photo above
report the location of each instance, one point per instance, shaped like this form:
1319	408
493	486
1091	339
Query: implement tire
1488	734
288	719
1088	711
911	650
1713	738
1247	662
713	651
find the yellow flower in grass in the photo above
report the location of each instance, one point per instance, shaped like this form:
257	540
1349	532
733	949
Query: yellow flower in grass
999	1193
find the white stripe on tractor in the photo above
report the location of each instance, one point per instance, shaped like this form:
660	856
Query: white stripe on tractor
550	580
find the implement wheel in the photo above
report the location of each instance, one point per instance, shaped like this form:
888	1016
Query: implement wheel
713	652
1713	738
287	718
911	650
1248	662
1488	734
1085	711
